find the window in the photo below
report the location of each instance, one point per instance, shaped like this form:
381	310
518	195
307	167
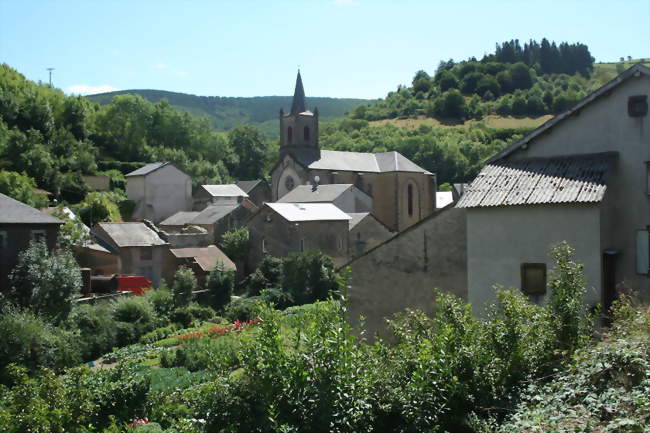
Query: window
637	106
146	253
533	278
339	243
3	239
289	183
302	245
369	189
39	235
306	133
642	252
289	135
264	245
409	194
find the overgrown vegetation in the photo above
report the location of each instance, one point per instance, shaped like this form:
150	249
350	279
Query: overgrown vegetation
304	370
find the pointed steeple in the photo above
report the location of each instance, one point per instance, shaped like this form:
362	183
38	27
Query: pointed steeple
299	103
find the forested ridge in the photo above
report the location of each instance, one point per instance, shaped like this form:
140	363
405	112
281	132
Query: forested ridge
530	80
226	113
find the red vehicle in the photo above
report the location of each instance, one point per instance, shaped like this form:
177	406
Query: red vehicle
133	283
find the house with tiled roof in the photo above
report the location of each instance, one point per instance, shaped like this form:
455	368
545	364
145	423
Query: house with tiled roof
346	197
19	225
582	177
258	190
403	193
224	194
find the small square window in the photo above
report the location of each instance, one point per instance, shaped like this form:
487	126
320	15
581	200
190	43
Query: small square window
533	278
302	245
264	246
3	239
39	236
637	106
146	253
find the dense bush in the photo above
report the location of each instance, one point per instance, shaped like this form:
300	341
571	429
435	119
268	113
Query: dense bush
45	282
97	329
183	285
31	342
221	284
242	309
187	314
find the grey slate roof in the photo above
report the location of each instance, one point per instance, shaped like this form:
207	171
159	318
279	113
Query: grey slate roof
360	162
624	76
299	103
179	218
248	185
16	212
131	234
207	257
357	218
322	194
213	213
568	179
147	169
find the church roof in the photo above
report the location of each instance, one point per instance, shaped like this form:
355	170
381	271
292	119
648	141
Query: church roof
320	194
359	161
299	104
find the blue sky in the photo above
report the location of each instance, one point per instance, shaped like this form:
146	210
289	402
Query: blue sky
345	48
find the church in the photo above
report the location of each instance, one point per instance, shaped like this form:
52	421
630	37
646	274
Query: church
403	193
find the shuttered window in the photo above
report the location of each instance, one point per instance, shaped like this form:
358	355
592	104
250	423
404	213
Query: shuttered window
533	278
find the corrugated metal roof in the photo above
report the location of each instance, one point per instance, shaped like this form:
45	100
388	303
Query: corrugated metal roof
146	169
213	213
207	258
227	190
359	162
568	179
296	212
179	218
131	234
15	212
320	193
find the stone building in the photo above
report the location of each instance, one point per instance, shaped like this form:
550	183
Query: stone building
208	195
141	250
346	197
259	191
403	193
582	177
366	232
158	190
403	271
280	228
200	260
19	225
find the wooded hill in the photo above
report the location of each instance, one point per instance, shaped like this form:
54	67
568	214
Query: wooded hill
226	112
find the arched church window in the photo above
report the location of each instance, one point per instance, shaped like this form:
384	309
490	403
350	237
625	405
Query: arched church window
289	183
306	133
290	134
409	195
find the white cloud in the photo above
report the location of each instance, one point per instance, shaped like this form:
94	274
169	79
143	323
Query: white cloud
85	89
161	66
182	74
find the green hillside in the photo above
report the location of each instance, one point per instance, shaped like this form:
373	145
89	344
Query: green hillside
228	112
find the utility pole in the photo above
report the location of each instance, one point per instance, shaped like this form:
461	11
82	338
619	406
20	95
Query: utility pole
50	71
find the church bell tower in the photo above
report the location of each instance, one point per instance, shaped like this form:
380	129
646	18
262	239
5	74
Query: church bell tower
299	128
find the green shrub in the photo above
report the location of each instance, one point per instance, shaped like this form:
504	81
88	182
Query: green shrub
186	315
45	282
134	309
220	287
184	284
162	300
30	341
280	299
242	309
160	333
97	329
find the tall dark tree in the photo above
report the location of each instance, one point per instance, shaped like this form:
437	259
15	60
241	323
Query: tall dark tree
251	149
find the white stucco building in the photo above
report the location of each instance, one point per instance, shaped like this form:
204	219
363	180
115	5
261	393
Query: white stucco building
582	177
158	190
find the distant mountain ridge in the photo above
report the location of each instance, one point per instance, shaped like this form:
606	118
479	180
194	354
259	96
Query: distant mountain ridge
228	112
